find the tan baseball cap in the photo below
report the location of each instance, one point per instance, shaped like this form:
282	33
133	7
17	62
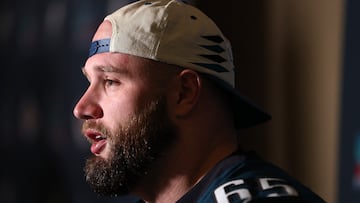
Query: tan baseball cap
174	32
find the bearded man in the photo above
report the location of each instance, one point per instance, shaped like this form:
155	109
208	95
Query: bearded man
162	113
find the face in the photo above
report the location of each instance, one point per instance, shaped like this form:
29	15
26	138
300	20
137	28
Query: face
125	120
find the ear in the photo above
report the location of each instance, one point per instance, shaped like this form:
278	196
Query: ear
188	92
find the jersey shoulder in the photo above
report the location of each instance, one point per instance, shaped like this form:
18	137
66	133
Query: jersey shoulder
249	179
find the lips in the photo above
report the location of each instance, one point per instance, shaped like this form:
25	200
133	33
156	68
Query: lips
97	147
97	140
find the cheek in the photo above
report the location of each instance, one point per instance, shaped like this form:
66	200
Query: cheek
118	112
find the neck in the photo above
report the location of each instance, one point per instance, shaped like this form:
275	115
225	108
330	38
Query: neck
185	165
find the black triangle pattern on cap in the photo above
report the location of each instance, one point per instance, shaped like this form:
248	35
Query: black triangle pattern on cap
216	58
214	48
212	66
217	49
214	38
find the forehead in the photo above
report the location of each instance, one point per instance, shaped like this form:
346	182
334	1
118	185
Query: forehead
104	31
118	62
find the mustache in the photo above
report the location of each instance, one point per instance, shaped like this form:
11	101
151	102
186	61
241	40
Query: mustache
93	125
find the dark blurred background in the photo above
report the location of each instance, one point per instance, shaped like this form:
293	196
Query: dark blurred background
297	59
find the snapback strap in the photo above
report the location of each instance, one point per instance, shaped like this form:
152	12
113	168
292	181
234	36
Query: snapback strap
99	46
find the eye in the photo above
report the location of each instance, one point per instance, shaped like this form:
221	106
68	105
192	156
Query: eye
110	82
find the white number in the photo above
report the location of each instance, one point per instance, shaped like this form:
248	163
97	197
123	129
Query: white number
222	197
272	187
265	184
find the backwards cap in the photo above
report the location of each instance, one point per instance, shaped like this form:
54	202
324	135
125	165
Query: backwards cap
173	32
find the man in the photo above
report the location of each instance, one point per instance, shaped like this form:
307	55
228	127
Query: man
162	113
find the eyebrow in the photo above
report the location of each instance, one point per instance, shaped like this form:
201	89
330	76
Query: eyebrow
107	69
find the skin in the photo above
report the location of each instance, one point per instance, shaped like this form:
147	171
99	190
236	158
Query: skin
206	133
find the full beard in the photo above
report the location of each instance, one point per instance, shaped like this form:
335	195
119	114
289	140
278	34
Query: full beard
133	150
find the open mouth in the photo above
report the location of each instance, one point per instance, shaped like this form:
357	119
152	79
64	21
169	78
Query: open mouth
97	140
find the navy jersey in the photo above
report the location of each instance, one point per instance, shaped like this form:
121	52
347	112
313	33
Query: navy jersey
246	178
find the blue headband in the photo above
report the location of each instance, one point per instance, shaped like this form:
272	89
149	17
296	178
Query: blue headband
99	46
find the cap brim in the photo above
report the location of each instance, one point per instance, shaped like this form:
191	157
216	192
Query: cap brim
247	114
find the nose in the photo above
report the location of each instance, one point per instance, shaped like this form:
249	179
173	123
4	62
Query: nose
88	107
